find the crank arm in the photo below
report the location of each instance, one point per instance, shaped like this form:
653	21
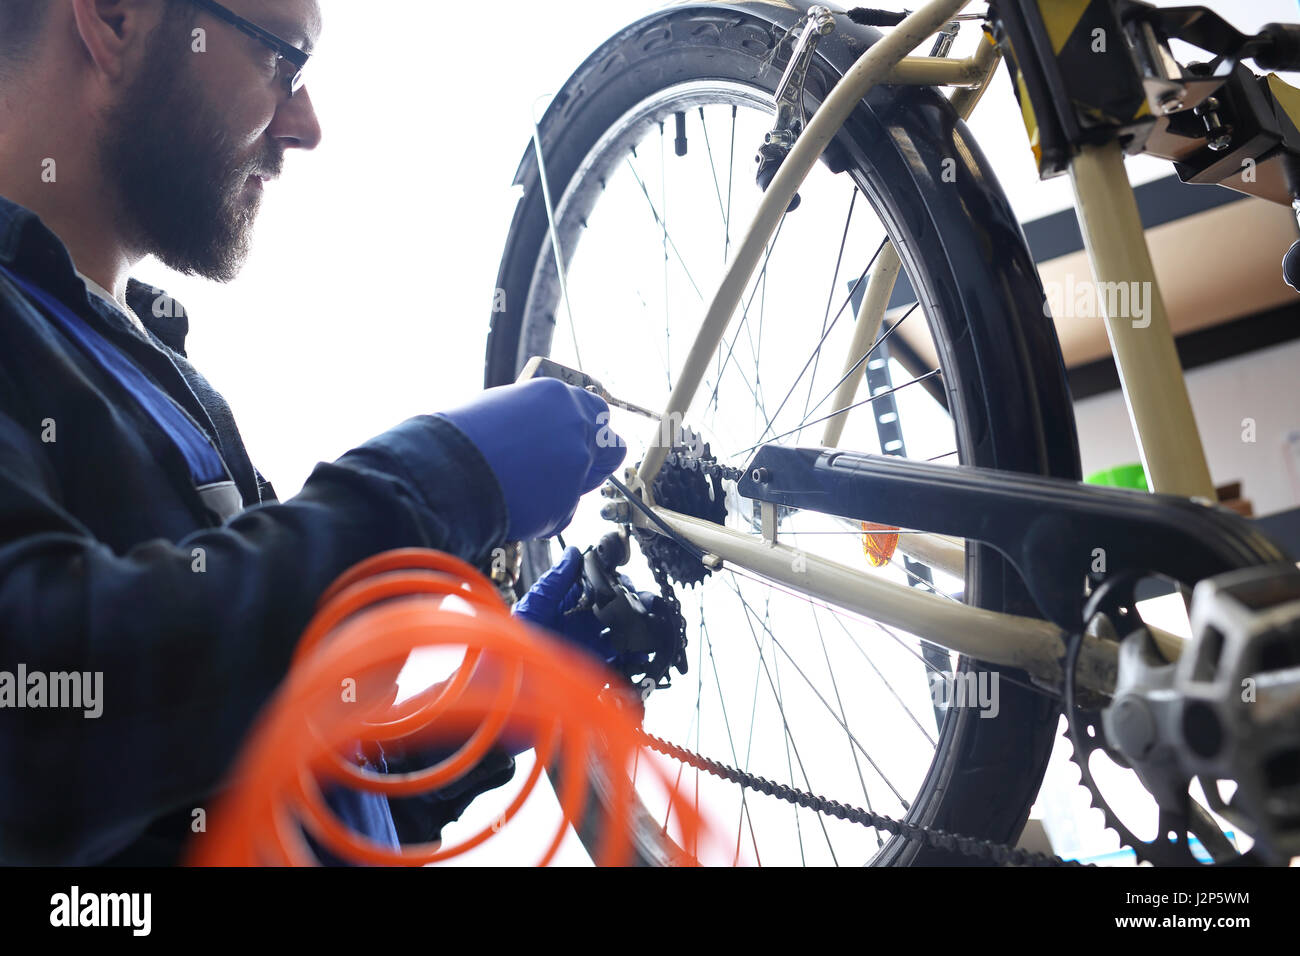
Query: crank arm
1054	532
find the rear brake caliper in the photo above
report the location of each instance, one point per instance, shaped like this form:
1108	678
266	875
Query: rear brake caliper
790	116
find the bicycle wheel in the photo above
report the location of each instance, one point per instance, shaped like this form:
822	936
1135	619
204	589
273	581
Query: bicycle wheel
801	693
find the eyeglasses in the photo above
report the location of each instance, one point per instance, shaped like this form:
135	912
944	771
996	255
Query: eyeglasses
285	52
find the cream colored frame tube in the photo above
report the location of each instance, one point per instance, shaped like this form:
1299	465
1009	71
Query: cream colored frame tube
1149	371
936	551
936	71
1005	639
874	302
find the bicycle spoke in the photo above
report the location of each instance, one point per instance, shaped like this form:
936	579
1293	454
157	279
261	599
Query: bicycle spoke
659	222
555	239
798	826
744	315
839	701
717	189
888	686
884	680
731	168
681	767
668	372
758	348
663	204
699	670
813	687
722	702
749	614
830	296
858	364
795	384
866	401
749	750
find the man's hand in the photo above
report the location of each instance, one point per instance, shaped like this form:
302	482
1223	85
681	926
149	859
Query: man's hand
547	443
557	592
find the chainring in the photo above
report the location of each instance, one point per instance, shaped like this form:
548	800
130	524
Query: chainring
1116	600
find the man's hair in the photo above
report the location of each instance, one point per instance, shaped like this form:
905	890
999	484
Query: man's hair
20	23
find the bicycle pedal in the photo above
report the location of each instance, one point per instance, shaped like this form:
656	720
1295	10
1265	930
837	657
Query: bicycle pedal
1239	681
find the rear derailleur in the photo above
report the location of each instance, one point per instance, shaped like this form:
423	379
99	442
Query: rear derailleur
646	633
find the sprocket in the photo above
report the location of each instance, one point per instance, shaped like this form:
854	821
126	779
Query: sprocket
1086	735
690	484
1115	602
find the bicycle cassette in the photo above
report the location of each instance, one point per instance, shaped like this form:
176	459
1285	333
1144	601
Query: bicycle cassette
690	484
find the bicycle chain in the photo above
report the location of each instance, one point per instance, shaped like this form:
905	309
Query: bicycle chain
932	837
711	469
669	597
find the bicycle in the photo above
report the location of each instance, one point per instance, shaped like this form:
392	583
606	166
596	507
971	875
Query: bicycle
976	537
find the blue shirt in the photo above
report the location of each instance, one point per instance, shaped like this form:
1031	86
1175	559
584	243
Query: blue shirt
100	519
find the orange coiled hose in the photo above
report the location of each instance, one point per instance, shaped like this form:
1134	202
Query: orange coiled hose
341	689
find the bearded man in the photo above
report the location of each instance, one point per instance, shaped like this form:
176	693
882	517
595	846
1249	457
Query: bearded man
137	540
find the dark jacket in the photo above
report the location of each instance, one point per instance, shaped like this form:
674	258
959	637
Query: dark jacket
99	525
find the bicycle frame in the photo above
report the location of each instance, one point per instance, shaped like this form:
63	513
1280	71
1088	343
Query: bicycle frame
1150	374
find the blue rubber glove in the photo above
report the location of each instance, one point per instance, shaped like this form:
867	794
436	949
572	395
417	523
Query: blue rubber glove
548	444
556	592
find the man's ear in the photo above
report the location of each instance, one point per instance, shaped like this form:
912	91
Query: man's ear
110	30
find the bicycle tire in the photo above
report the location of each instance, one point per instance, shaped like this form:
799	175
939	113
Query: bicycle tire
966	256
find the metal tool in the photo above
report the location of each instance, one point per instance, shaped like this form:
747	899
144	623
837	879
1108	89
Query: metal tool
541	367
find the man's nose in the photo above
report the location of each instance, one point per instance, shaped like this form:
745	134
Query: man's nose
295	124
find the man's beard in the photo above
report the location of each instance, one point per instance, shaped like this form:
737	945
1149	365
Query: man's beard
180	181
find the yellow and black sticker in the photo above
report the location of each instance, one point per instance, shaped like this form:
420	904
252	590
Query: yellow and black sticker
1061	17
1286	96
1094	62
